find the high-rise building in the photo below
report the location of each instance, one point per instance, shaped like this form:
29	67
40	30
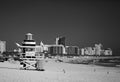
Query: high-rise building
55	49
57	39
60	41
72	50
82	51
2	46
98	49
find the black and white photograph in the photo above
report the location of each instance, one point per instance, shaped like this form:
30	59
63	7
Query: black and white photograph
59	41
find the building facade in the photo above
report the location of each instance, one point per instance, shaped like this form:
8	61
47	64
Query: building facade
2	46
55	49
60	41
96	50
72	50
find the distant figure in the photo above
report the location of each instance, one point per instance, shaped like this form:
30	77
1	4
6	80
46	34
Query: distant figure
64	71
94	70
107	72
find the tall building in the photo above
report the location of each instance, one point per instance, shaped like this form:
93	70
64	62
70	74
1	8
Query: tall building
98	49
82	51
72	50
2	46
55	49
57	39
60	41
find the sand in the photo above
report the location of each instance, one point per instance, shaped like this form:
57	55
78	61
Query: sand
59	72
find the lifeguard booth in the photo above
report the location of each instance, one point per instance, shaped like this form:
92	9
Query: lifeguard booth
30	56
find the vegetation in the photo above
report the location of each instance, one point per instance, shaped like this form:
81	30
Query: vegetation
10	54
102	62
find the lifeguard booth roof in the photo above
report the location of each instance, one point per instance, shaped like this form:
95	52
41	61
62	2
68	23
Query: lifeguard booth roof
29	36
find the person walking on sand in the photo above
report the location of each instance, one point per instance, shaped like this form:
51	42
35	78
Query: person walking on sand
64	71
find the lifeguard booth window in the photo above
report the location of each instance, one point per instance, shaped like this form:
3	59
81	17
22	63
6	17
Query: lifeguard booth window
29	49
28	52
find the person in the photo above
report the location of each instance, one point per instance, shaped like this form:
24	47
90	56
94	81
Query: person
63	70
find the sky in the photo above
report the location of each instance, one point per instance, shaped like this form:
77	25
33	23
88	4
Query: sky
82	22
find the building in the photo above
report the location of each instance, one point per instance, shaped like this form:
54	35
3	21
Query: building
72	50
54	49
108	52
88	51
40	48
2	46
98	49
82	51
29	48
60	41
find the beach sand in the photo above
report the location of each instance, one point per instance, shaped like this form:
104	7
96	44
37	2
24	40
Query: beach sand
59	72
